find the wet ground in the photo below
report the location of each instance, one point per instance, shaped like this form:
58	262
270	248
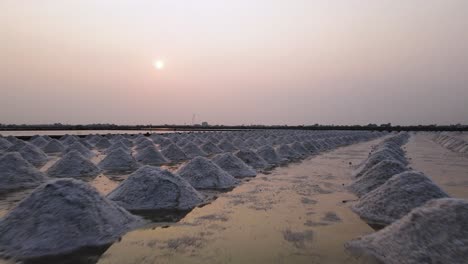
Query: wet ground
294	214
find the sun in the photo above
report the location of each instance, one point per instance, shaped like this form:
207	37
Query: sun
158	64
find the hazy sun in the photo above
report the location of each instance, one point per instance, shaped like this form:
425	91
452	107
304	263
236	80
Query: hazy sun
158	64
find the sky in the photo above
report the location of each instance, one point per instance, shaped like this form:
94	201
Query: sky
234	62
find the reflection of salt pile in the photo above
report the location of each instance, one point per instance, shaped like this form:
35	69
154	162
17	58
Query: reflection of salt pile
17	173
204	174
376	176
234	166
396	197
252	159
118	161
210	148
174	153
150	156
54	146
193	150
436	232
269	154
73	164
150	188
59	217
33	155
81	149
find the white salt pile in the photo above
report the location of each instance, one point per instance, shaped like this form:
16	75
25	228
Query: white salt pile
68	140
300	149
193	150
39	142
59	217
118	161
252	159
80	148
210	148
33	155
226	146
311	147
436	232
165	142
268	153
376	176
5	144
174	153
144	144
286	152
234	166
150	188
396	197
202	173
103	143
118	145
151	156
73	164
17	173
53	147
376	157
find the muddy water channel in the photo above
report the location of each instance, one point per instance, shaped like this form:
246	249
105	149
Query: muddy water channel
295	214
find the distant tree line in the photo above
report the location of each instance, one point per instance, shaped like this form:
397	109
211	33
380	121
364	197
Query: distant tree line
205	126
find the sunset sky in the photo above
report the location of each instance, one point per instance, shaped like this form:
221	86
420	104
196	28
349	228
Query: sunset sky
234	62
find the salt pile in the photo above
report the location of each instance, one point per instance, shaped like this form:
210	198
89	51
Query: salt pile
376	176
165	142
202	173
68	140
73	164
193	150
33	155
80	148
117	146
396	197
252	159
39	142
311	147
150	156
53	147
287	152
5	144
300	149
118	161
210	148
59	217
17	173
234	166
103	143
268	153
174	153
143	144
436	232
376	157
226	146
150	188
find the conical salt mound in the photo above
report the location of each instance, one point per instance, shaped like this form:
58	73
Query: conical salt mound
226	146
59	217
299	148
252	159
269	154
396	197
118	161
118	145
234	166
73	164
311	147
174	153
80	148
33	155
17	173
150	156
436	232
202	173
54	146
143	144
103	143
286	152
150	188
5	144
376	176
39	142
375	158
193	150
210	148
